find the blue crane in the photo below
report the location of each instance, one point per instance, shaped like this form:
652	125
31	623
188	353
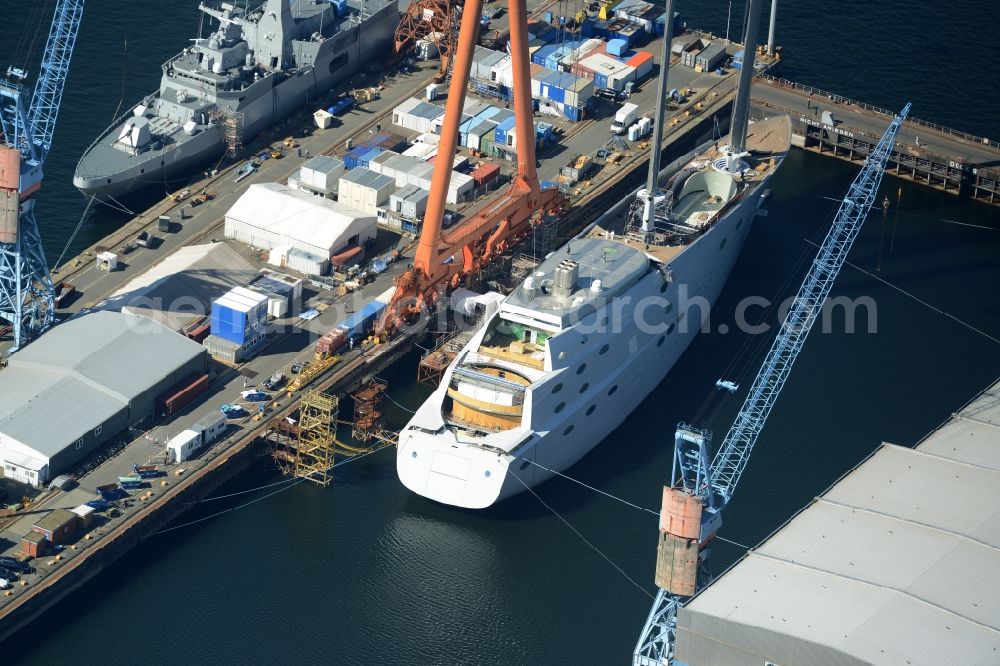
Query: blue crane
27	299
693	505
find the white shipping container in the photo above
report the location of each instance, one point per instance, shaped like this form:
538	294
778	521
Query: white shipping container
323	119
306	263
183	445
215	424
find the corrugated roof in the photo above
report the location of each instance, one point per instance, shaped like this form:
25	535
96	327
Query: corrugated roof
411	193
324	164
82	372
367	178
899	560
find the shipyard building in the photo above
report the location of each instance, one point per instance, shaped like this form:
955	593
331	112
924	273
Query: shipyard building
302	230
895	564
83	383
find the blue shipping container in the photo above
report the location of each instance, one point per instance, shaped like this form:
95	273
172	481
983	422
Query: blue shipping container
503	129
617	47
368	156
237	326
539	56
362	321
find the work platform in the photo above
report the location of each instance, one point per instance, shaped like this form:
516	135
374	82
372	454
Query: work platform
926	153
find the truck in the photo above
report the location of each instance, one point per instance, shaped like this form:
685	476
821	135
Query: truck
624	118
580	168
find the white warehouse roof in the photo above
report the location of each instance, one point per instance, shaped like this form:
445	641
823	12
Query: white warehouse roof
81	372
898	563
181	287
241	299
270	215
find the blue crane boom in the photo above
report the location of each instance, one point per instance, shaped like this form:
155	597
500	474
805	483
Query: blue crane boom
27	299
700	490
51	82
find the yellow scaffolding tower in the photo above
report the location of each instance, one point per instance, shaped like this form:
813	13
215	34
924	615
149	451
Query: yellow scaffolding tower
306	450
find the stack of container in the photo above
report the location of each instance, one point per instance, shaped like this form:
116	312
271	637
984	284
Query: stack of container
361	154
365	190
238	324
361	323
607	72
320	174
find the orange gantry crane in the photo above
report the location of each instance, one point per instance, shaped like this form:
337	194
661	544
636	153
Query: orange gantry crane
443	259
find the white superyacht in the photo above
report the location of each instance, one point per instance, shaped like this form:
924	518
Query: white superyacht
575	348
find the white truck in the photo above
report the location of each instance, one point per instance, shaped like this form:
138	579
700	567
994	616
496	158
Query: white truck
624	118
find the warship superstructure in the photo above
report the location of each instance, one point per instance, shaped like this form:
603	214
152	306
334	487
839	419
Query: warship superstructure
257	67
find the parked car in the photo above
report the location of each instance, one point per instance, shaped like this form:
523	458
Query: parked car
15	565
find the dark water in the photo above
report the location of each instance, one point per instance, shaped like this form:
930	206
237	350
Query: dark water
366	572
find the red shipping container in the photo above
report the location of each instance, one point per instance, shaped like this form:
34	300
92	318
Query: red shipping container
332	341
643	63
484	173
182	393
347	257
199	333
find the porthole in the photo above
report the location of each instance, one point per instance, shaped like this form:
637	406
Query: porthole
604	349
413	454
659	343
723	243
583	366
583	389
670	329
557	388
664	287
561	406
590	410
524	465
604	322
487	474
668	307
568	430
611	391
739	224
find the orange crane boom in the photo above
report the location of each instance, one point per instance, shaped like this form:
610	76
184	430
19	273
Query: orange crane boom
481	238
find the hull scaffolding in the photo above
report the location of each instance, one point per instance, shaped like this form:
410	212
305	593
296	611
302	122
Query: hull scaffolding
306	449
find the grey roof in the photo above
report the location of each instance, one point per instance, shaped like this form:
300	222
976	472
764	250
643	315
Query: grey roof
324	164
362	176
897	563
82	372
411	193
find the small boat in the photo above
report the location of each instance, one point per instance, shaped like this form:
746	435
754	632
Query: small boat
726	385
244	171
254	395
233	411
146	471
134	481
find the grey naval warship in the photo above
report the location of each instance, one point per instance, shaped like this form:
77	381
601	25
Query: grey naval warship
259	66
